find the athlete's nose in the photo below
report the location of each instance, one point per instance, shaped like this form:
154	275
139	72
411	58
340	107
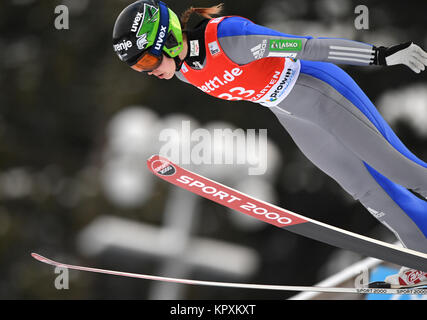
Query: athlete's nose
154	72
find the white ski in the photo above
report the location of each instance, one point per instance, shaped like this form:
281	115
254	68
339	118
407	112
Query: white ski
283	218
412	291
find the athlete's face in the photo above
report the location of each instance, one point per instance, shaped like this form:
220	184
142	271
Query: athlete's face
166	70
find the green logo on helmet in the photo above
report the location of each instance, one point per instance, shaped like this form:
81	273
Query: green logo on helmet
144	24
150	17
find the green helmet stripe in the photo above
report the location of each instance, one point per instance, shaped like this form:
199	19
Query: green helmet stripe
151	15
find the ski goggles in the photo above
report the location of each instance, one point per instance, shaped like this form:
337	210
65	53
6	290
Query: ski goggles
147	62
153	57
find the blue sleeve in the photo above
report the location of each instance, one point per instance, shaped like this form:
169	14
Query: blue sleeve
238	26
245	41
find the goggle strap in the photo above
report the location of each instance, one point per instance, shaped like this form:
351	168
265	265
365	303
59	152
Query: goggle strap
157	48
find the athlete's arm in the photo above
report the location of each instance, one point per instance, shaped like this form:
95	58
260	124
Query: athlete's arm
244	42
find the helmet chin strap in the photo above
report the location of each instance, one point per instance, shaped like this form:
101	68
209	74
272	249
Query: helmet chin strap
178	61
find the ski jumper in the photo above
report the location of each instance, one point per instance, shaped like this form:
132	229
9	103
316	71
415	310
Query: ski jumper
325	112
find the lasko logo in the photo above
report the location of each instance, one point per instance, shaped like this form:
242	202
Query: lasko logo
163	168
285	45
216	82
123	46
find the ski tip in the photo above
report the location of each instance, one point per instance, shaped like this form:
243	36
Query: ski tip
161	166
154	156
153	159
40	258
36	256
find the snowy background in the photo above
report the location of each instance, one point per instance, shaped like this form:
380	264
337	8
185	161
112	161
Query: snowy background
77	125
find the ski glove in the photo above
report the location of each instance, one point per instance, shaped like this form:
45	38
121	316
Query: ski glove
408	54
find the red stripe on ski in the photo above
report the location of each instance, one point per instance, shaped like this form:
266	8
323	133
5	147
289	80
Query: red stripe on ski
221	194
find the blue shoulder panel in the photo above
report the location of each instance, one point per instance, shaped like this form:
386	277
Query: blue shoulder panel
238	26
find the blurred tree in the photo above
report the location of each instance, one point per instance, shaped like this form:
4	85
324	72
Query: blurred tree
59	88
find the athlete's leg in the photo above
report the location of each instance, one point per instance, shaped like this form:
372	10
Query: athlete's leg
332	157
335	102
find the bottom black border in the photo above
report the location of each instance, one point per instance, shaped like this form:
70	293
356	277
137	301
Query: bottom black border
162	309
